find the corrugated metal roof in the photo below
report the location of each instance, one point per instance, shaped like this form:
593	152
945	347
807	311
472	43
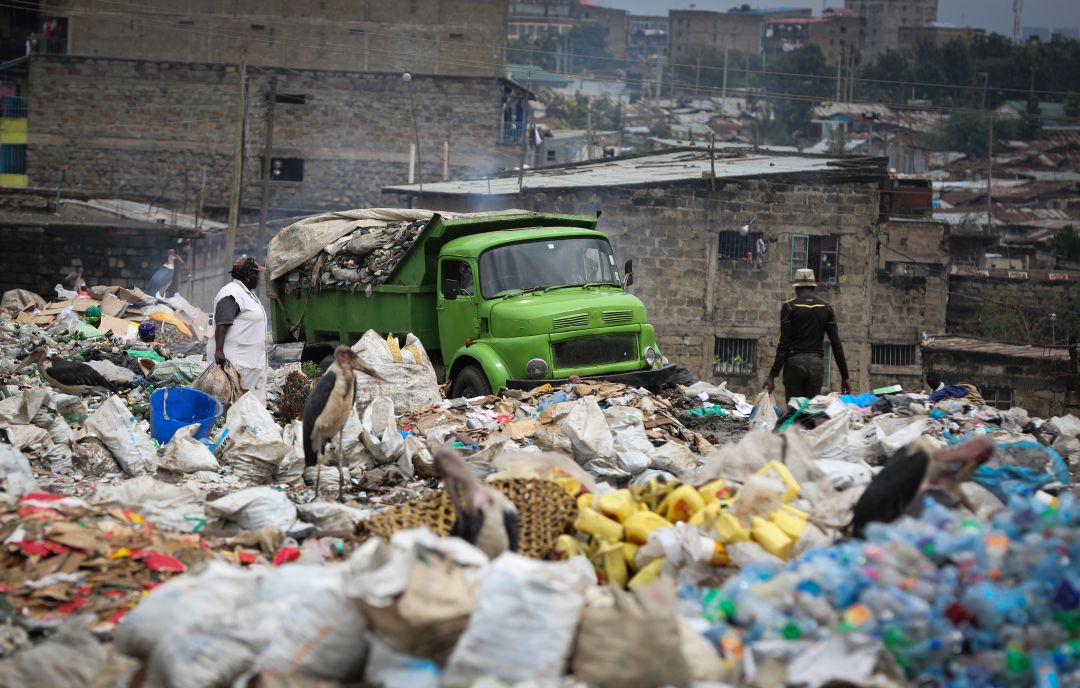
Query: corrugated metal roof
659	169
982	346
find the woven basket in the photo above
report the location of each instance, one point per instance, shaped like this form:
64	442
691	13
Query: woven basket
545	511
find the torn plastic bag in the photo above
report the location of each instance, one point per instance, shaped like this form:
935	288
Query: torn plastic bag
255	508
112	372
21	408
380	432
764	415
897	432
19	299
390	668
1068	425
331	515
219	381
632	445
178	507
845	474
593	445
617	625
185	454
179	372
675	458
15	472
291	469
72	658
526	617
114	425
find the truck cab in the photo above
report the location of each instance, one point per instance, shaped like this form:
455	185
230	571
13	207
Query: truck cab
509	299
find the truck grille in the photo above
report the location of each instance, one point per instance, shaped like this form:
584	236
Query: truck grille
587	351
576	320
618	317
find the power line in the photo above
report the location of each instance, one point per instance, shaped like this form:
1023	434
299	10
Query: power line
135	9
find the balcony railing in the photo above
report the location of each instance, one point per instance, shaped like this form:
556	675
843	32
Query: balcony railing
511	132
13	106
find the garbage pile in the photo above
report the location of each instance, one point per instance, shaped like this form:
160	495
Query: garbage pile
709	528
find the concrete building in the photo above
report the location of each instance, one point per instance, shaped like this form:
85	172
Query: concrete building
935	33
884	19
1040	379
614	22
713	296
837	33
148	108
533	18
648	38
699	32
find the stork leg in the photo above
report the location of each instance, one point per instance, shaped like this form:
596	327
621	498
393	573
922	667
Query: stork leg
318	474
341	467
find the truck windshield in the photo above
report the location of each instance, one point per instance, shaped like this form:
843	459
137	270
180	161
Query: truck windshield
546	263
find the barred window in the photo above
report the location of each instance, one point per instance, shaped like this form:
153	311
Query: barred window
1000	397
892	354
735	246
734	356
819	253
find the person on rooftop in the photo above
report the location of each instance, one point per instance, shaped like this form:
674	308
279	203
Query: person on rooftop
805	321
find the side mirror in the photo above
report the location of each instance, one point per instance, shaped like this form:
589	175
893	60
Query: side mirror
628	273
450	289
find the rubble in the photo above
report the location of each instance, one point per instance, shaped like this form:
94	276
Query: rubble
719	522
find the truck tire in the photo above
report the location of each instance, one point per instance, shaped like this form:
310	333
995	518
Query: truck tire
470	382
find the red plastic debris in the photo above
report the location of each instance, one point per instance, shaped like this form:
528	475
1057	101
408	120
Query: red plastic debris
32	510
155	561
5	588
71	606
246	557
286	554
34	548
41	497
115	617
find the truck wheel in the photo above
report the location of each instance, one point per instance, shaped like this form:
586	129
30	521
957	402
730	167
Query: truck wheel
470	382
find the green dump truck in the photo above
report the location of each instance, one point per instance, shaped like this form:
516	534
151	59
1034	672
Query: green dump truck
512	299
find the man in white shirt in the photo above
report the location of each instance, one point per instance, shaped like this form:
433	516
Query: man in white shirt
239	335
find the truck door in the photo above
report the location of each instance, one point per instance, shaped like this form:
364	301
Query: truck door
457	310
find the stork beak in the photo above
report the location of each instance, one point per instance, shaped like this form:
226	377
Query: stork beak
25	362
359	364
178	259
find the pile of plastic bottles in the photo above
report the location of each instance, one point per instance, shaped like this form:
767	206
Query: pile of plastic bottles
955	601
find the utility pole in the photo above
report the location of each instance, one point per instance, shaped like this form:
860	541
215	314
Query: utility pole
990	175
839	64
268	148
407	78
697	76
723	91
524	134
588	130
238	162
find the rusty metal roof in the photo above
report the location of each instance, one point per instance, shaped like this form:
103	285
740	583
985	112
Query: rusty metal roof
950	342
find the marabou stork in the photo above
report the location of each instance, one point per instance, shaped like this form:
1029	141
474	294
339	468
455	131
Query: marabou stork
69	377
328	407
917	471
161	284
485	517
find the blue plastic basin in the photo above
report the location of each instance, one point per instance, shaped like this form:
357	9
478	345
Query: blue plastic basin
171	408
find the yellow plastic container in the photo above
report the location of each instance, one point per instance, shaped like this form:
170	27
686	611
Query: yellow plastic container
706	515
648	573
585	501
571	485
618	505
639	525
630	553
594	523
710	492
729	529
777	470
683	502
567	547
790	520
610	563
720	555
771	538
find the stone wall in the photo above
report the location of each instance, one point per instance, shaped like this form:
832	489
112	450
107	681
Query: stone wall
448	37
692	297
1030	296
165	131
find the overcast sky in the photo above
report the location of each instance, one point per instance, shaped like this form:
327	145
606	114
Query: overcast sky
992	15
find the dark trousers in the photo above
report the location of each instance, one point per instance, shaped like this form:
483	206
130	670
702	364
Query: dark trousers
802	375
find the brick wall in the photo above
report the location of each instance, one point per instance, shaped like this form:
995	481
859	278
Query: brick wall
450	37
153	129
692	298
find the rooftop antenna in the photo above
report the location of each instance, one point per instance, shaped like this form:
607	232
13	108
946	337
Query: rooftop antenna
1018	8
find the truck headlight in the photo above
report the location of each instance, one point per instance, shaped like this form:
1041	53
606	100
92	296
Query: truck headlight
536	369
651	357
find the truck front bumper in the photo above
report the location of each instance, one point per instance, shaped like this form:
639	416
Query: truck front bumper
652	379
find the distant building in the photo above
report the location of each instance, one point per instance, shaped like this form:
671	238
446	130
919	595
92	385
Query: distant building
837	32
533	18
1069	34
1041	33
648	37
695	33
884	19
935	33
615	23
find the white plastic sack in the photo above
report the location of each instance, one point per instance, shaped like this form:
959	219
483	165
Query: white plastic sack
897	433
177	507
674	457
255	508
845	474
593	445
291	469
632	446
389	668
22	407
256	447
380	431
1068	426
714	392
526	618
185	454
764	412
409	385
15	473
113	424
